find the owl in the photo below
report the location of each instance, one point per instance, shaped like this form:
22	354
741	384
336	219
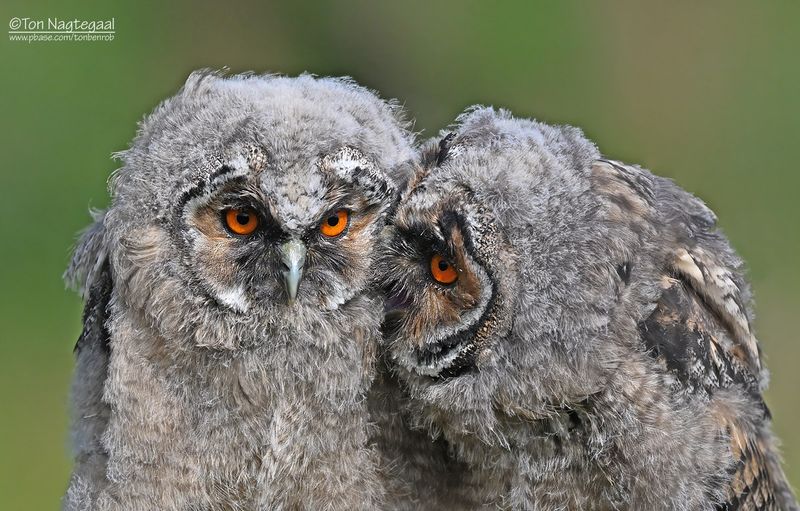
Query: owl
575	330
230	328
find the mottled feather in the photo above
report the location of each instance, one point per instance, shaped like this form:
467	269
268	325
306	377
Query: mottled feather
700	332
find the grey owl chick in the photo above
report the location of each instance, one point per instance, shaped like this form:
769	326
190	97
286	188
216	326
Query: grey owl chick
576	330
230	329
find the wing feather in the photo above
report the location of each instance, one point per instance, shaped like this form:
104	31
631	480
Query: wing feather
90	273
702	318
700	329
716	284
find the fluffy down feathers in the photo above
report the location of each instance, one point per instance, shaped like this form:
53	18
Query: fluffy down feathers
612	366
198	385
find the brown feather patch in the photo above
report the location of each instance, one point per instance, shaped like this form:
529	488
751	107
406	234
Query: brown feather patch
752	485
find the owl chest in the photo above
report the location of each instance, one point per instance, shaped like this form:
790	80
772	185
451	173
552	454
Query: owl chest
224	425
533	461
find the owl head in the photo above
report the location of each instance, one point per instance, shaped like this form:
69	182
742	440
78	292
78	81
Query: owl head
497	255
248	202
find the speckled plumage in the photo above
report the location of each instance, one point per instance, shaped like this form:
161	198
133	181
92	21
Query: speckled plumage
596	350
198	386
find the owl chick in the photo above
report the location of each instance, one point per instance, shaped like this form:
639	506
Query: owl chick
229	329
577	330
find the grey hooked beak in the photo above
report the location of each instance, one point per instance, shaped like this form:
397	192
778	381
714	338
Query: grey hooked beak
293	257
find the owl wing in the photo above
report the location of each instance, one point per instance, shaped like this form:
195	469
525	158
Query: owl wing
700	330
95	313
89	273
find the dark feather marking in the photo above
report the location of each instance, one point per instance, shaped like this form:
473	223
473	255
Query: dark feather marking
95	312
201	187
191	193
224	169
681	332
624	272
444	149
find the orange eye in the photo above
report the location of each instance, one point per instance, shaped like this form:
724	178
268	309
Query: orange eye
335	223
442	270
241	221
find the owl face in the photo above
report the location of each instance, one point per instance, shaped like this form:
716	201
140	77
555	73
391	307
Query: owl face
255	240
248	202
448	289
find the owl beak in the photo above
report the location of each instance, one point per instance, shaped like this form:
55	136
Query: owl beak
293	257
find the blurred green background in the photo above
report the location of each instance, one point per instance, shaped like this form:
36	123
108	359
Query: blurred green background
707	93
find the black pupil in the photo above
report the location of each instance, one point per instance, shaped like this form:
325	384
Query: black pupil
242	218
333	220
443	265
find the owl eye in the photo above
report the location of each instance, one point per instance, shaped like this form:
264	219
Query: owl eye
241	221
443	270
335	223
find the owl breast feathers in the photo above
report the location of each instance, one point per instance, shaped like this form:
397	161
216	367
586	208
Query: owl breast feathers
575	330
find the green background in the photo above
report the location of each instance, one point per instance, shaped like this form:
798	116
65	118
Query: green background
704	92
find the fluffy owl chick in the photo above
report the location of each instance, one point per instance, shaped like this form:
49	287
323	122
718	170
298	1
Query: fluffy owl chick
229	330
576	329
